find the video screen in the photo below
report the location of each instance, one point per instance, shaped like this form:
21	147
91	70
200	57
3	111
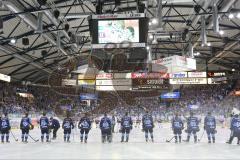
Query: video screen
117	31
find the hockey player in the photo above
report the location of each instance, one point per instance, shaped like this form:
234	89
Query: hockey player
54	125
177	127
192	127
210	127
147	125
105	126
25	126
67	127
235	129
44	126
84	125
113	123
5	128
126	126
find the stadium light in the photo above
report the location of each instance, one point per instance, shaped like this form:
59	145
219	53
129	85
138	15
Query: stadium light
13	41
196	54
221	32
209	44
231	16
154	21
151	36
238	15
147	47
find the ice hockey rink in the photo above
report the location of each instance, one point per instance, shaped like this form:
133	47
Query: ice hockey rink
136	148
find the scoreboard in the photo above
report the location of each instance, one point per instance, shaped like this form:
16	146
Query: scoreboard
145	84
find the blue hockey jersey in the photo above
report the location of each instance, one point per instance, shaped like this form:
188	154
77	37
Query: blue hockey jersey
209	122
235	124
44	122
193	123
105	123
147	121
84	123
177	123
126	122
67	123
4	123
25	123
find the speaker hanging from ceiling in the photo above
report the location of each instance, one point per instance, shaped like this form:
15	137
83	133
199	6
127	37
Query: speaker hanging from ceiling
25	41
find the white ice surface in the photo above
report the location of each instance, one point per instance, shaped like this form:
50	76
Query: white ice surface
136	148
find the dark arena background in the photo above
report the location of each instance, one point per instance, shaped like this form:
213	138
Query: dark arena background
119	79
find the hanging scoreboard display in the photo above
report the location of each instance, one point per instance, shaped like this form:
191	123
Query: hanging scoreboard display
144	84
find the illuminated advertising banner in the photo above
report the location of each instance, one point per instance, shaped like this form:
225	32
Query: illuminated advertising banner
149	75
216	80
122	75
114	82
88	96
104	76
86	76
188	81
170	95
197	74
177	64
113	88
116	16
216	74
179	75
86	82
69	82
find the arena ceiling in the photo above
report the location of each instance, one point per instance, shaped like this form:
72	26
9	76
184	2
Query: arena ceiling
35	61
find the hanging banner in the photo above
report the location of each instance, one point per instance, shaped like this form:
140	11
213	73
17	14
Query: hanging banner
197	74
104	76
86	76
114	82
150	75
188	81
86	82
69	82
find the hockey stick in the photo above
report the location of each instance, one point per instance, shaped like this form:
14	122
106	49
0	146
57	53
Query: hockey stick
35	140
16	139
170	139
201	136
